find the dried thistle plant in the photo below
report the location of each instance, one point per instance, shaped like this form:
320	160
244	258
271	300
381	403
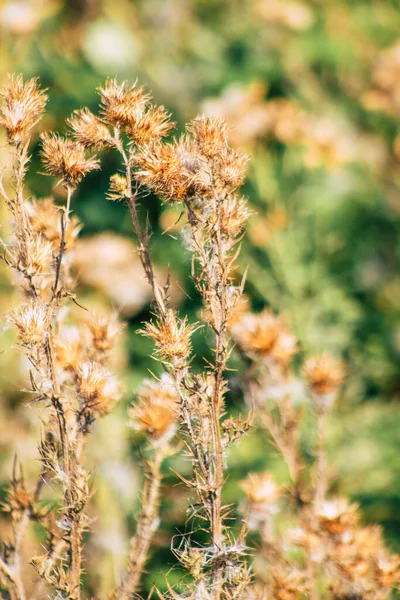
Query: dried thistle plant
328	553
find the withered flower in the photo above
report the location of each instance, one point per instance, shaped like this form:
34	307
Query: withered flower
162	168
335	516
66	159
210	135
70	348
231	170
88	129
324	373
35	256
261	490
265	335
44	217
288	585
31	321
21	107
156	411
234	213
172	338
97	388
150	125
122	104
118	188
103	331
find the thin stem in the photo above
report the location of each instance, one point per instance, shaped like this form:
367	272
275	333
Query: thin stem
146	526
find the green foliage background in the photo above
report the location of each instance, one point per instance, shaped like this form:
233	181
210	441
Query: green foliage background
332	268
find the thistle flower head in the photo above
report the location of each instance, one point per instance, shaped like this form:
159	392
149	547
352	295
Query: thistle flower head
121	104
66	159
35	256
151	124
172	338
324	373
89	130
261	489
157	408
97	388
335	516
69	348
103	331
265	335
231	170
31	321
210	135
45	218
161	167
234	213
118	188
21	107
288	585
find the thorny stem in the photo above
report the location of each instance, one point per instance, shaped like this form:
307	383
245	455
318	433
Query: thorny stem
64	226
146	526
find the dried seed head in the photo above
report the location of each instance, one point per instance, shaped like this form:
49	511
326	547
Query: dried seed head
118	188
88	129
161	167
66	159
31	321
360	567
21	107
45	218
288	585
231	170
35	255
324	373
265	335
121	104
335	516
97	388
210	135
103	331
70	349
157	408
234	213
153	123
172	338
261	490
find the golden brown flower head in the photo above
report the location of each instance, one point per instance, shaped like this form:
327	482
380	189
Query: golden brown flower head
118	188
335	516
261	490
150	125
157	408
88	129
265	335
97	388
288	585
210	135
324	373
162	168
234	214
70	348
122	104
31	321
172	338
21	107
361	567
35	256
66	159
45	218
231	170
103	331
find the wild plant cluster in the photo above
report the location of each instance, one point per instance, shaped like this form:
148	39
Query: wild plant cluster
310	543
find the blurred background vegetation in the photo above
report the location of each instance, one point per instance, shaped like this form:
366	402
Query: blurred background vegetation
311	89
